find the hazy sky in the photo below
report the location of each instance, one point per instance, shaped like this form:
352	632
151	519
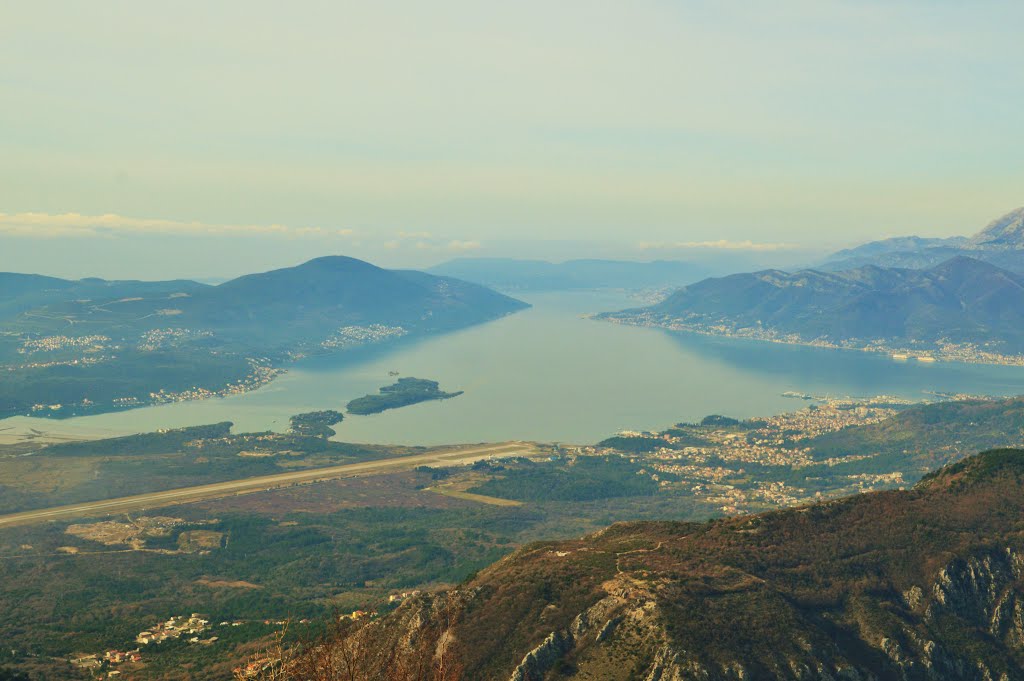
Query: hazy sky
233	135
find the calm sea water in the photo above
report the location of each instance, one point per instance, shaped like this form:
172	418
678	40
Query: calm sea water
547	374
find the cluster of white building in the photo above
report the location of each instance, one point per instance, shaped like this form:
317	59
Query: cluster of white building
354	336
174	628
54	343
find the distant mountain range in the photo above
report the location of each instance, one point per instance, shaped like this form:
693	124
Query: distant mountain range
511	274
1000	243
919	585
962	301
75	347
20	292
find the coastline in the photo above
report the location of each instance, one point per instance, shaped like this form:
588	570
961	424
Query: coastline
945	352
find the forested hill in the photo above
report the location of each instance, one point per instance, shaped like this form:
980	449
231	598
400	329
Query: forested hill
317	297
289	305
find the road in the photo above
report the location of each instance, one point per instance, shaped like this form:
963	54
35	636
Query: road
448	456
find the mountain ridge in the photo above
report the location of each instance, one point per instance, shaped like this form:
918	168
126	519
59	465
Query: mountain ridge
962	301
1003	233
1000	242
922	584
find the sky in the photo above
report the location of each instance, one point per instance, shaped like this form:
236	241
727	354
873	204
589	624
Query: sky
208	139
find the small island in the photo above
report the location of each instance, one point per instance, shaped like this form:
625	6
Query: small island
401	394
316	423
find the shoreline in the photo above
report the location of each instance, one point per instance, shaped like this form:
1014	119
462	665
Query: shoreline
897	354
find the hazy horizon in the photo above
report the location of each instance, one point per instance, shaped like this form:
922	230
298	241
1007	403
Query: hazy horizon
157	249
152	257
145	142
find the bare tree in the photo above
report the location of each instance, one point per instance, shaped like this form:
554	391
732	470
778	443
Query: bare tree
270	663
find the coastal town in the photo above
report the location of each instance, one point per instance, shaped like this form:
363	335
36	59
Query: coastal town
48	352
30	354
94	343
716	470
261	372
943	350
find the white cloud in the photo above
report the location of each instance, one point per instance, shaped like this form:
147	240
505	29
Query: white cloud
422	241
48	225
463	246
721	244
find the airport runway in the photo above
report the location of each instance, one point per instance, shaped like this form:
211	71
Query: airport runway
448	456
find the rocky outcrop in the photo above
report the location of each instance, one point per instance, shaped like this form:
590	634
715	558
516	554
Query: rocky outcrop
542	658
983	590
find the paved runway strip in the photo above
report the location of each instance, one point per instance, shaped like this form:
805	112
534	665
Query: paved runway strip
452	456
